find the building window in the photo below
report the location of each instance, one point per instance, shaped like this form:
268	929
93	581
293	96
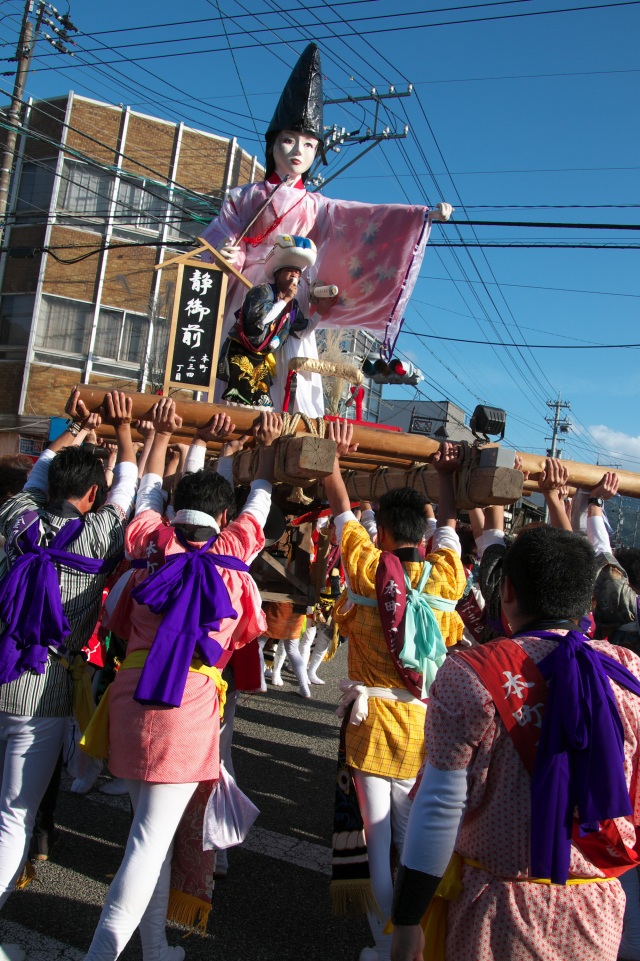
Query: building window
16	314
121	336
34	192
64	326
188	216
141	205
85	191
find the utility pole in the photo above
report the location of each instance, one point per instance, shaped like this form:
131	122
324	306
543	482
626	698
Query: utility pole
24	54
336	137
559	425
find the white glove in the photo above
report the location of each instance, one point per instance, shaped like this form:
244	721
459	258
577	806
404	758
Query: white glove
229	250
441	212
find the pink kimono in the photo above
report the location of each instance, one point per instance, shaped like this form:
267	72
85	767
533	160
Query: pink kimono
177	745
373	252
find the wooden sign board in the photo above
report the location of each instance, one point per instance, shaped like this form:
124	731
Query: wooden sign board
196	327
196	322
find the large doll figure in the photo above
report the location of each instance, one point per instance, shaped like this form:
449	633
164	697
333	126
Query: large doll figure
372	252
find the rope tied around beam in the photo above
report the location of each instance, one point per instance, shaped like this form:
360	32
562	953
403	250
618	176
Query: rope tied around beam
379	475
462	477
417	473
314	426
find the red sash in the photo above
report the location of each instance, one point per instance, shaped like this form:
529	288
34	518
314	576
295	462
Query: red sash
391	593
473	616
519	692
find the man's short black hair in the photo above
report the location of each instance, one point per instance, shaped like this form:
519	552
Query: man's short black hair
204	491
629	559
401	514
552	572
73	471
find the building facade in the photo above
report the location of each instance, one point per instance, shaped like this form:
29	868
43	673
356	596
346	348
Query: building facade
109	193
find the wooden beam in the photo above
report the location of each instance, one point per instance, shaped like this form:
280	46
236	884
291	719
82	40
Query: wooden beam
371	440
380	444
282	571
587	476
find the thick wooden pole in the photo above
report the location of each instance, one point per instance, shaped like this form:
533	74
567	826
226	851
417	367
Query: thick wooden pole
371	440
585	475
381	446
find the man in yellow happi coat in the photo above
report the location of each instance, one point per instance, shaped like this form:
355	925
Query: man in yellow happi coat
384	738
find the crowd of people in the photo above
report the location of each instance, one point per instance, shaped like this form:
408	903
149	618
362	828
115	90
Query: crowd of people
488	785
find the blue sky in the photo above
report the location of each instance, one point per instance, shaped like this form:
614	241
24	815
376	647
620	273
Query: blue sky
525	118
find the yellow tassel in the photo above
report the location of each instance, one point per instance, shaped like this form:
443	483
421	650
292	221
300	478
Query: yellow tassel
335	643
28	875
352	899
189	911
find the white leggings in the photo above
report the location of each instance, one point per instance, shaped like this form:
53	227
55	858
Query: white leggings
29	749
290	649
139	893
385	806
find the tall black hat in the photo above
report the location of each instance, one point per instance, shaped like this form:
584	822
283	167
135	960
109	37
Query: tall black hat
300	104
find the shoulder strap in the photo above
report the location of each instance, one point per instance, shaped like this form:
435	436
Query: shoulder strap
519	692
517	689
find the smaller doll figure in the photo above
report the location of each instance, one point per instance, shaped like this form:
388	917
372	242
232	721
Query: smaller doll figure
269	315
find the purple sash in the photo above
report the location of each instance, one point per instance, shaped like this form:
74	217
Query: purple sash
30	601
189	591
580	759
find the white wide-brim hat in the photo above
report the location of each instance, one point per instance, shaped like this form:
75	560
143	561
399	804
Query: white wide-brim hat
290	251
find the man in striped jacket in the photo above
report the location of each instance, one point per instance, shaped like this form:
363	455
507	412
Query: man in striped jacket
61	546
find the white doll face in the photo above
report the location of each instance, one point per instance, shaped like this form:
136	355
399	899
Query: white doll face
293	153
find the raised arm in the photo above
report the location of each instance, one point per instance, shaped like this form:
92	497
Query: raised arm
116	410
596	529
551	482
266	431
219	427
146	430
81	422
165	422
341	431
446	462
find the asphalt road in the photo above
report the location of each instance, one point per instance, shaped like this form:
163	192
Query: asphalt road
274	905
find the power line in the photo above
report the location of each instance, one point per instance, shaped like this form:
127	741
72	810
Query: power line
544	224
378	30
500	343
541	245
568	290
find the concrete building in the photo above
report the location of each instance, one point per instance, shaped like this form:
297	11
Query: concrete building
87	176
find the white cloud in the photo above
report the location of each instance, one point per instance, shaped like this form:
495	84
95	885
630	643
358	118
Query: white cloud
623	448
